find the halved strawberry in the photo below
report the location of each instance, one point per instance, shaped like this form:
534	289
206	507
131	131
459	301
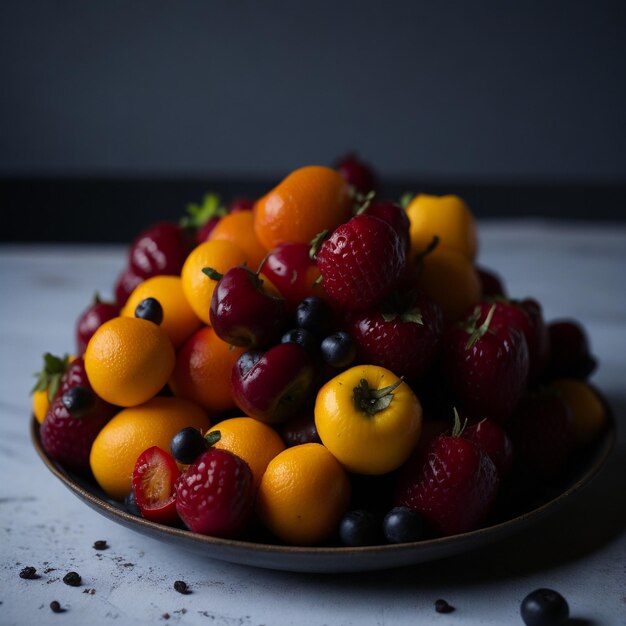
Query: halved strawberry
154	480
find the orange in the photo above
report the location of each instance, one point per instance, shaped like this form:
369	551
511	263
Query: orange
303	494
129	360
202	371
309	200
447	217
238	228
586	406
255	442
450	279
197	286
133	430
179	320
40	404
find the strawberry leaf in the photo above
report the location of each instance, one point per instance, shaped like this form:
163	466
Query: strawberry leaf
199	214
479	332
406	199
50	376
316	243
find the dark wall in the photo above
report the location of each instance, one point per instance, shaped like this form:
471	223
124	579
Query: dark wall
462	90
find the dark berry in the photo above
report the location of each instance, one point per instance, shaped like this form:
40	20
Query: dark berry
402	524
150	309
359	528
130	504
314	315
101	544
441	606
29	573
544	607
55	607
79	401
181	587
338	349
302	337
72	579
187	445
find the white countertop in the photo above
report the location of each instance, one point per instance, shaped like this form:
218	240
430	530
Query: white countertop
573	270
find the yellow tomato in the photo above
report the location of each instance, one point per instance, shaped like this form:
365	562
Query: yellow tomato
369	419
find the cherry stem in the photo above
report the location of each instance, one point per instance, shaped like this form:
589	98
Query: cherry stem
316	243
212	437
372	401
213	274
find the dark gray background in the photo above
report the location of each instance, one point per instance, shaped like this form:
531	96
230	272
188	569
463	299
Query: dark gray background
522	100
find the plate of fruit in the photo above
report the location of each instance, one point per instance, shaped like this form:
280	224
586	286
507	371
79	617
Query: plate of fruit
321	379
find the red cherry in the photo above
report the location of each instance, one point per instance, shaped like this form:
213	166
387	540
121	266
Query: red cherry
124	285
91	319
241	204
357	173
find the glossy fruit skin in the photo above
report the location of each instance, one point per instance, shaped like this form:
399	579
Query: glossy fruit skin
74	375
338	349
150	309
359	527
361	262
405	341
300	429
160	249
490	376
68	439
395	216
187	445
274	385
570	355
357	173
91	319
544	607
314	315
303	338
453	489
364	443
294	273
402	524
154	479
215	495
124	285
494	442
243	313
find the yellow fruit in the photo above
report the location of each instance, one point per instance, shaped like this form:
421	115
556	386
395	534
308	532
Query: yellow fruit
179	319
197	286
129	360
303	494
586	406
255	442
133	430
40	404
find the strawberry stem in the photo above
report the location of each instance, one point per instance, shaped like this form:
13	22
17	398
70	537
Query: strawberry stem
50	376
316	243
479	332
364	201
458	428
372	401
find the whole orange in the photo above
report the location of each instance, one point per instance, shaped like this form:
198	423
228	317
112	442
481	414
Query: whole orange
309	200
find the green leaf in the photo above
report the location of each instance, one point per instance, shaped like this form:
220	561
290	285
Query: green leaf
406	199
199	214
413	315
50	375
316	243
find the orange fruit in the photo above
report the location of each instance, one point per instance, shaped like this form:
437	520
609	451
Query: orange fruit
303	494
447	217
197	286
133	430
309	200
255	442
203	369
238	228
129	360
179	320
40	404
449	278
586	406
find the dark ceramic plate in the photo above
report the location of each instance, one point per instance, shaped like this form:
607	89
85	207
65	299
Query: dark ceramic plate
340	559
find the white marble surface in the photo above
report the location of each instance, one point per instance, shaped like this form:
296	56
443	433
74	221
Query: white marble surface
574	270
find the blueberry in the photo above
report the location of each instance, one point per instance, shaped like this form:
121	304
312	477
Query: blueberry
150	309
187	445
130	504
544	607
338	349
359	528
402	524
302	337
79	401
314	315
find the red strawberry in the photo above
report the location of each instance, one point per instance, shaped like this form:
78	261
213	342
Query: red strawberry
71	425
124	285
403	338
357	173
75	375
493	440
394	215
454	488
361	262
542	434
486	368
215	495
160	249
49	378
570	355
91	319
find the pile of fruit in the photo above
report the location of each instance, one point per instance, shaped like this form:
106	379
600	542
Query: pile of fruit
319	366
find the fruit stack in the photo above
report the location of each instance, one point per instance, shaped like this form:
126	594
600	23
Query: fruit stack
320	366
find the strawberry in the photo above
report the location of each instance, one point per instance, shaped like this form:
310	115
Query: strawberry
494	441
402	336
71	425
361	262
570	355
394	215
91	319
454	487
486	367
357	173
542	434
160	249
75	375
215	495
